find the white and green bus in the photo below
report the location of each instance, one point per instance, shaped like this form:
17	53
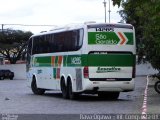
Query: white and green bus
87	58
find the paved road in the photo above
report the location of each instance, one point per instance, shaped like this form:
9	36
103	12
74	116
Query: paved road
16	97
153	102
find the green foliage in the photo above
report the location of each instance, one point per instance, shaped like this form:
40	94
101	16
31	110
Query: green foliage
13	43
117	2
145	16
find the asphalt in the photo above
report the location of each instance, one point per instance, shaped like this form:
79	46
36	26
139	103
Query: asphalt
153	100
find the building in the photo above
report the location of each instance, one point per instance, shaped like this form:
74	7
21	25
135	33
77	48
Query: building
2	60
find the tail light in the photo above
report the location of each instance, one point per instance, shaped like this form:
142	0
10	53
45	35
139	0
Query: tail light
134	72
86	72
134	69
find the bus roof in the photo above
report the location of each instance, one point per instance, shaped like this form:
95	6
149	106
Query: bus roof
86	24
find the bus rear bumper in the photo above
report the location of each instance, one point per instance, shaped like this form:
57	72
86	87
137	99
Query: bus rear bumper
109	86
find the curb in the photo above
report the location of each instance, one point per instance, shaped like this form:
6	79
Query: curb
144	106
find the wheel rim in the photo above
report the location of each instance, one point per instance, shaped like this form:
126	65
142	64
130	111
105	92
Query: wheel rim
158	86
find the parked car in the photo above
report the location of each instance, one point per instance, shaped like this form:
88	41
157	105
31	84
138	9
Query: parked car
6	74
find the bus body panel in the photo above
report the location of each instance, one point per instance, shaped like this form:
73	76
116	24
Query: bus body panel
110	61
116	86
111	58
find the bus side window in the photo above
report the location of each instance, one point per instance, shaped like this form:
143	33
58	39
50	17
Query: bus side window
30	47
77	38
45	44
74	39
34	46
67	41
40	46
53	44
58	42
49	39
80	38
29	53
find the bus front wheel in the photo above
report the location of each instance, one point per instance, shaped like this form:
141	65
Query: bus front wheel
34	88
157	87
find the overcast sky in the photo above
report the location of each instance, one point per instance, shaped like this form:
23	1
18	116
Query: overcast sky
53	12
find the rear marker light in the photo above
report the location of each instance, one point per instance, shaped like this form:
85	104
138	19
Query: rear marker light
86	72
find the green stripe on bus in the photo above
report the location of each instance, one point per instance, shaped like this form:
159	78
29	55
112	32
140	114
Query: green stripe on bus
43	61
64	61
129	36
54	72
124	60
101	60
74	60
111	60
109	38
56	61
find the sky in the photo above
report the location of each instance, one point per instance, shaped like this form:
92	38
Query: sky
53	12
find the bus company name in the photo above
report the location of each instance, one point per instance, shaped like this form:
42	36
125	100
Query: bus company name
103	39
76	60
109	69
108	29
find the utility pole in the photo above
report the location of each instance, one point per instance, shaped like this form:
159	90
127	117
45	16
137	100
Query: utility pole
104	10
109	11
2	27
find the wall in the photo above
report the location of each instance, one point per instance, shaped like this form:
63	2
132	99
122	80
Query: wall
18	69
145	69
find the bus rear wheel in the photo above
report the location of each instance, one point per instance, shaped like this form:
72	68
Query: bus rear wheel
34	88
64	89
72	95
109	95
1	78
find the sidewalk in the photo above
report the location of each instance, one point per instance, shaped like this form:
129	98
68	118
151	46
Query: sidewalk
153	98
153	102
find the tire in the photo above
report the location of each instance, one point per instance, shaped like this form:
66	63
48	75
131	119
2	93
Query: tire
11	78
1	78
109	95
64	90
157	87
72	95
36	90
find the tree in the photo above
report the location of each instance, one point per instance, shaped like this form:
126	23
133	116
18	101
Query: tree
117	2
145	16
13	43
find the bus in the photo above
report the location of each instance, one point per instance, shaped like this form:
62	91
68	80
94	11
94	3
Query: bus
92	58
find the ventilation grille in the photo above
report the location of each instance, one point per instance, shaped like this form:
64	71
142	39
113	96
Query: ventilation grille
78	79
